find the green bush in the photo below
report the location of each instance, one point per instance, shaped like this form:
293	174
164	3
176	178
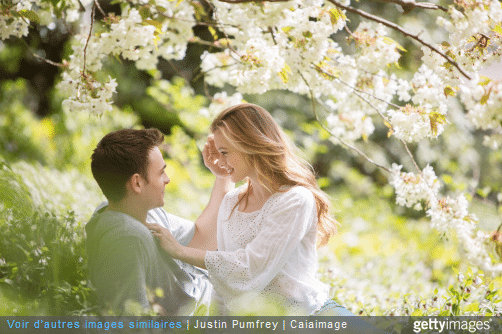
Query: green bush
43	258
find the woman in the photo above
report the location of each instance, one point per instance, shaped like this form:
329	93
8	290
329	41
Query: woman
268	229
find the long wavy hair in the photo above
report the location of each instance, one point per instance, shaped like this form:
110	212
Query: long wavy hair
253	131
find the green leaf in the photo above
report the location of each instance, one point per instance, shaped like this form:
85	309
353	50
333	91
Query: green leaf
474	307
498	29
449	90
284	73
485	98
388	40
144	12
213	33
154	23
417	313
483	81
436	118
335	14
30	15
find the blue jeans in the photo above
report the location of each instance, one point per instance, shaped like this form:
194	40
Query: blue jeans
332	308
355	325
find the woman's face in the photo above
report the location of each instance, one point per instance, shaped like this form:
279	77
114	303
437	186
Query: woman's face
231	159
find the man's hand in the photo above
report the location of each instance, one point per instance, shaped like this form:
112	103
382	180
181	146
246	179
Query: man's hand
211	155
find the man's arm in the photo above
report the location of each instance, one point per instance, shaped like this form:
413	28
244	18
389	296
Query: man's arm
119	272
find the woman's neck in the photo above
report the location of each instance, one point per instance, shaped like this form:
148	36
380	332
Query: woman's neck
257	195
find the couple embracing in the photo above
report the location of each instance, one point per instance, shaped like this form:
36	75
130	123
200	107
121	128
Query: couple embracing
252	245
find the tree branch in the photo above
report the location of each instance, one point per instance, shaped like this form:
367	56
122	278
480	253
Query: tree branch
356	92
99	7
244	1
402	31
319	69
361	153
221	27
50	62
89	36
408	6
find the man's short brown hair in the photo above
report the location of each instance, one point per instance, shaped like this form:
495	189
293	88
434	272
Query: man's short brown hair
121	154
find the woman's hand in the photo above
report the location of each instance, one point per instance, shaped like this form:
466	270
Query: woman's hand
211	155
166	240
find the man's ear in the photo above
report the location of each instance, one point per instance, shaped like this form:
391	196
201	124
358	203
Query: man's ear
135	183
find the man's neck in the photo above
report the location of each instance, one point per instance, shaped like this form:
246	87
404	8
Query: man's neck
129	208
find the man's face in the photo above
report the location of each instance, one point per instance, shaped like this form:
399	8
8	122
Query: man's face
157	179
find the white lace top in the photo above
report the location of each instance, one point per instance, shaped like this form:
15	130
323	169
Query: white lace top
270	253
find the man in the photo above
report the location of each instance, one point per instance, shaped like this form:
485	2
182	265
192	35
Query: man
125	263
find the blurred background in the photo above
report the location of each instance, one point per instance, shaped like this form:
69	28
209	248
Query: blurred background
386	259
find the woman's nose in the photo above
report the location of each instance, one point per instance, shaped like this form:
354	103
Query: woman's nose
222	161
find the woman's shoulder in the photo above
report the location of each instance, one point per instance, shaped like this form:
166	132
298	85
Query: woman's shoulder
234	193
295	194
296	191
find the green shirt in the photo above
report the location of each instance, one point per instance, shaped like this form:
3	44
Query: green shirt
126	263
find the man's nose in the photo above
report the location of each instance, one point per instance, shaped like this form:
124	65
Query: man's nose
167	180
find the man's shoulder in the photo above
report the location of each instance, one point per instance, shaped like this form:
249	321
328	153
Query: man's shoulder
115	225
182	229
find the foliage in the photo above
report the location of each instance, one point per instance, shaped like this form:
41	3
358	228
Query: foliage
42	253
387	101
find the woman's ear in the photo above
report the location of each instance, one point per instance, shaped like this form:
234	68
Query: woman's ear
135	183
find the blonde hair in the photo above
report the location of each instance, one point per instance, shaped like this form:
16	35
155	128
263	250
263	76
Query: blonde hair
253	131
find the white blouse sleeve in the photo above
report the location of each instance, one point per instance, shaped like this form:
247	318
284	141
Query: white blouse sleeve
254	267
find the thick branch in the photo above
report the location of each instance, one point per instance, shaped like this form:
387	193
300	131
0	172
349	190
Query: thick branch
89	36
50	62
408	6
401	30
244	1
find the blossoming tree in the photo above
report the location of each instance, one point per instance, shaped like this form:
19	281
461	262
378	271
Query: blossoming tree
354	82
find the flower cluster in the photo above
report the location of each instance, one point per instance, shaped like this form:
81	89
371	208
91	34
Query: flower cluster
377	50
482	98
446	214
12	27
87	95
131	37
413	190
220	102
271	44
426	118
260	47
474	38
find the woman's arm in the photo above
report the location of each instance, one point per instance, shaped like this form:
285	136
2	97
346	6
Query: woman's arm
186	254
205	226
